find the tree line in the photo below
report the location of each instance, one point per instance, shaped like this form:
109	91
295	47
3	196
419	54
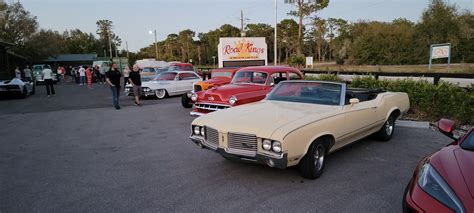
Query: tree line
332	39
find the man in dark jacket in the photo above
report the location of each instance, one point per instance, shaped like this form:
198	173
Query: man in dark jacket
113	79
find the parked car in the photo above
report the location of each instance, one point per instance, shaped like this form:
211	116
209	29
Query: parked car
248	85
167	84
444	181
16	86
219	77
148	73
37	73
299	123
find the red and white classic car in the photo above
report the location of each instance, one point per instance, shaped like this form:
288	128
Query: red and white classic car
250	84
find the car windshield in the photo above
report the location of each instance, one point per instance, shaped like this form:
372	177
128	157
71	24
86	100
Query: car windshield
468	143
166	76
307	92
221	74
148	70
250	77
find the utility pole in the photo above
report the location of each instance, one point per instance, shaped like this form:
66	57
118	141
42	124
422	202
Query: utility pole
156	46
242	34
275	57
126	46
110	43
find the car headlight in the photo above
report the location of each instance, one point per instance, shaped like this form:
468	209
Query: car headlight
232	100
197	130
432	183
276	146
202	132
194	97
267	144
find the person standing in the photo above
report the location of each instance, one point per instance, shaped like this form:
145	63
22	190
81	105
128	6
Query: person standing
89	74
47	75
126	73
17	72
82	75
27	72
136	81
113	79
102	73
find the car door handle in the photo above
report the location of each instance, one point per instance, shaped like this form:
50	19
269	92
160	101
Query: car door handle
374	107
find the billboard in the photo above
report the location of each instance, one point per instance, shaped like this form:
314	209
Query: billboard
251	51
440	51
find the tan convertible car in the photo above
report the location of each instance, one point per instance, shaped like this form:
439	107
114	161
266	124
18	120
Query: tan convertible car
299	123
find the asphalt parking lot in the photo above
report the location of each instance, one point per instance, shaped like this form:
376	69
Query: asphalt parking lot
75	153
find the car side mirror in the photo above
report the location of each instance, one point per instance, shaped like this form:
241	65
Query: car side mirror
353	101
446	127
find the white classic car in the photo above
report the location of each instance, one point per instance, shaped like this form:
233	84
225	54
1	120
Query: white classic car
299	123
167	84
17	86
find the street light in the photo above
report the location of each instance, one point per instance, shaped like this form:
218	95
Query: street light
156	43
275	39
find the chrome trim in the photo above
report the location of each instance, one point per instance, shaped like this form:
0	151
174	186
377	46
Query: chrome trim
196	113
210	107
235	141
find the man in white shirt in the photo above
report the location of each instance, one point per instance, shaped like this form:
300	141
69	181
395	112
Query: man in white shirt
48	81
27	72
82	75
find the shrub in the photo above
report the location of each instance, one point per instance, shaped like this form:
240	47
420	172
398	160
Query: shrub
429	100
325	77
297	60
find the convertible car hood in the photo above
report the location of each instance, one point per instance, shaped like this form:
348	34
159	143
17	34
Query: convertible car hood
261	118
223	93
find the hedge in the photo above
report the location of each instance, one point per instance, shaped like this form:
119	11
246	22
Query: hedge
427	101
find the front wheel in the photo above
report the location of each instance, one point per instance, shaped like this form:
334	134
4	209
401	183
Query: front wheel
386	132
161	93
312	164
186	101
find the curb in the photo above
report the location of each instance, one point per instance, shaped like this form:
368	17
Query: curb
413	124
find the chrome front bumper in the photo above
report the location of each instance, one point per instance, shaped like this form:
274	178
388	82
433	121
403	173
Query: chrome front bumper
277	161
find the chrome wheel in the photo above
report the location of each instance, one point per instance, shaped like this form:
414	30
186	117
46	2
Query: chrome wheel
161	93
389	127
319	157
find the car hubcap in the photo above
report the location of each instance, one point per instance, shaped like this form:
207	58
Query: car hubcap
319	158
389	127
160	93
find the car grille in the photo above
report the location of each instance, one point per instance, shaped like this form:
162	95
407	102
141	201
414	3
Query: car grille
242	144
210	107
212	137
197	88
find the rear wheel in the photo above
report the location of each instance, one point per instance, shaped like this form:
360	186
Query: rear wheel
186	101
386	132
161	93
312	164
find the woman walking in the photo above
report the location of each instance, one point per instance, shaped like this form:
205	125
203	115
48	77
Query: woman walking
89	74
126	73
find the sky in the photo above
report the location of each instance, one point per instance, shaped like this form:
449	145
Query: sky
133	19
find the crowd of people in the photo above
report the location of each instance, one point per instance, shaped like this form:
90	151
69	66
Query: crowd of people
87	75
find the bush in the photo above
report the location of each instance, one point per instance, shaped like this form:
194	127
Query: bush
297	60
429	101
325	77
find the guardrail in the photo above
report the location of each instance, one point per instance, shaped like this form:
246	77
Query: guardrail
435	76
